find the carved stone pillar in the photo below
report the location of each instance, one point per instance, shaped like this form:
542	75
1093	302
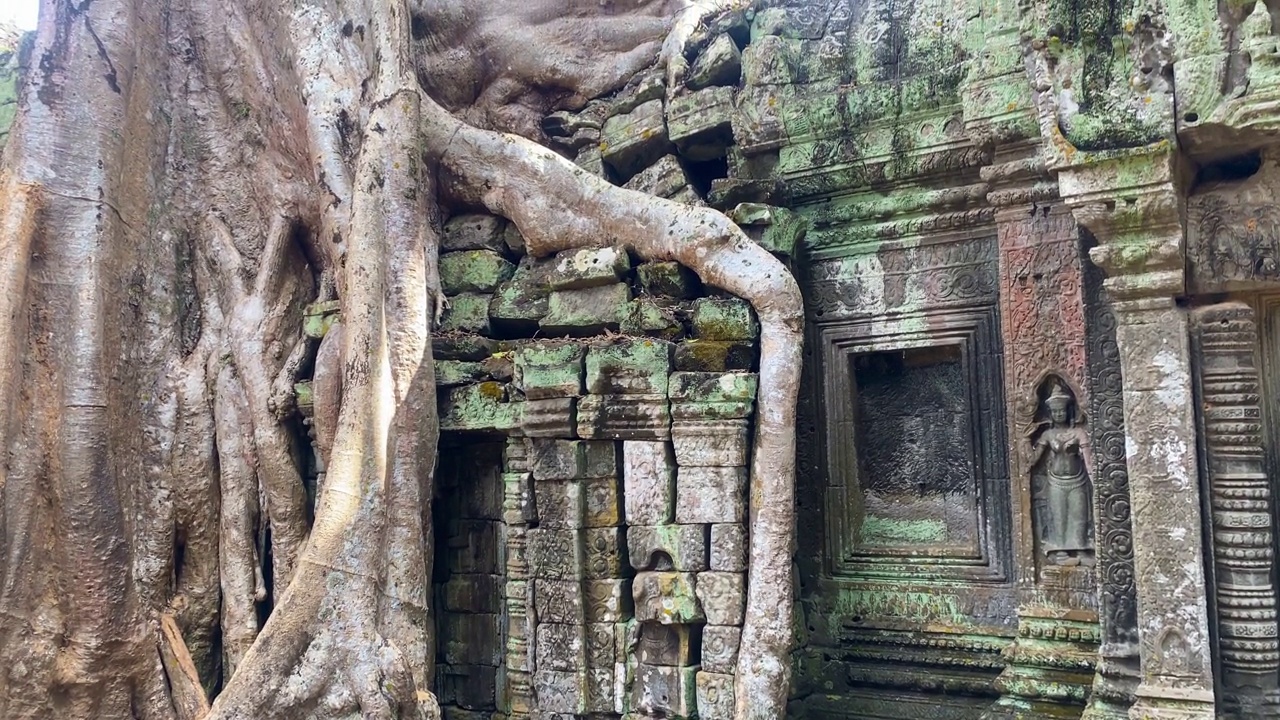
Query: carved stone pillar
1131	203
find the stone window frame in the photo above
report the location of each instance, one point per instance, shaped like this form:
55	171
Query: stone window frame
976	332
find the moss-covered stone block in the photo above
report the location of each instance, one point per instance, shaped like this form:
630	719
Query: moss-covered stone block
714	355
481	407
769	61
587	267
719	64
668	278
700	123
632	366
634	140
476	271
648	318
713	387
318	317
549	369
775	229
462	347
467	312
521	302
474	232
664	178
458	372
590	311
723	319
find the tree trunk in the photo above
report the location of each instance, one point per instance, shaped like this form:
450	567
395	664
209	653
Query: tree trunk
182	179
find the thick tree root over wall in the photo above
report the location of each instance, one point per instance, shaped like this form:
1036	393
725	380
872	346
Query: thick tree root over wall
183	178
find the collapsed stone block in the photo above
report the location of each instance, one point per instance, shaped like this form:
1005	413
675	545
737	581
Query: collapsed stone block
608	600
720	648
553	417
587	268
558	601
670	279
711	494
590	311
723	319
474	271
667	598
723	597
624	417
318	317
672	645
714	356
605	553
664	691
715	696
707	443
631	141
700	123
668	547
719	64
467	312
648	482
664	178
549	370
729	547
639	366
519	304
473	232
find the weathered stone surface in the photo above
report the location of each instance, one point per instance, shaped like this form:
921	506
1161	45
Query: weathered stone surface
472	593
559	504
710	443
714	356
668	547
587	312
728	547
458	372
719	64
723	597
559	692
664	178
648	482
634	140
472	639
606	553
549	370
768	61
473	232
662	691
462	347
600	690
666	598
591	159
468	313
482	406
699	123
469	685
670	279
474	271
318	317
629	366
671	645
608	600
603	502
558	601
555	554
553	417
720	648
647	86
648	318
776	229
518	503
560	647
711	494
715	696
723	319
713	387
587	268
624	417
600	644
555	459
520	303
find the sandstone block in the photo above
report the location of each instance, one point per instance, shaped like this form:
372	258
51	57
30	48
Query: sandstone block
549	370
458	372
769	60
647	318
670	279
462	347
667	598
474	271
599	652
715	696
555	459
634	140
711	495
559	504
775	229
482	406
588	267
600	689
555	554
700	123
318	317
608	600
705	443
714	355
605	553
672	645
664	691
677	547
467	312
518	305
648	482
560	647
713	387
553	417
624	417
723	597
630	366
720	648
472	639
473	232
723	319
472	546
559	692
518	506
663	178
719	64
603	503
590	311
729	547
472	593
558	601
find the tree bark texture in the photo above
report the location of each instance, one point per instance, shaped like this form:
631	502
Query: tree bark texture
182	179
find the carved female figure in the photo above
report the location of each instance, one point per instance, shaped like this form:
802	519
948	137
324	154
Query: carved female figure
1065	504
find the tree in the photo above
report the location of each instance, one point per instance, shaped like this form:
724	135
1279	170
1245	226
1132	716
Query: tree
182	178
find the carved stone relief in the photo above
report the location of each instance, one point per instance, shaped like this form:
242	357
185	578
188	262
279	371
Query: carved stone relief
1061	490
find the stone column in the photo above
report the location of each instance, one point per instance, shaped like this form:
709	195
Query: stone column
1132	204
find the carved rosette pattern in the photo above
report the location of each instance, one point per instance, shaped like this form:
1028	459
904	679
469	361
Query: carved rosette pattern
1239	489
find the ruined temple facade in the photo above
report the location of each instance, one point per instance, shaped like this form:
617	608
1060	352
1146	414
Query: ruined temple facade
1039	245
